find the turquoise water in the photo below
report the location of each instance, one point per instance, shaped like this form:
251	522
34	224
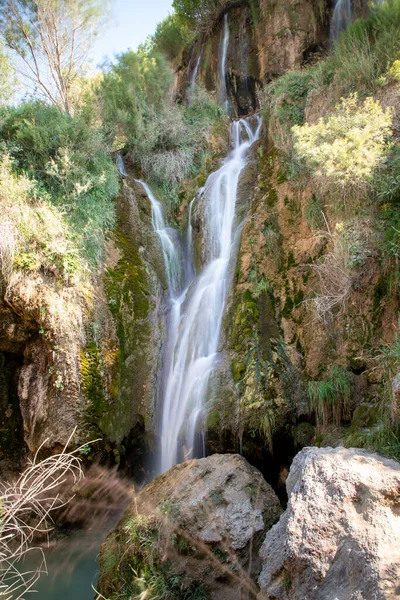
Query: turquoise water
72	569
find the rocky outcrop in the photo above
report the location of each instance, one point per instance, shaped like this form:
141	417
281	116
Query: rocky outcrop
206	519
340	534
134	282
266	39
83	354
42	333
288	33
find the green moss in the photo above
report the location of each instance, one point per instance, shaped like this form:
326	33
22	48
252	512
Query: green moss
238	369
128	290
92	382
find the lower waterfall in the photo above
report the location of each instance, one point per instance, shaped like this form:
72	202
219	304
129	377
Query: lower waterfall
197	302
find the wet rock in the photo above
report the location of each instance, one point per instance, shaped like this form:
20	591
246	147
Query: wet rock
340	535
207	517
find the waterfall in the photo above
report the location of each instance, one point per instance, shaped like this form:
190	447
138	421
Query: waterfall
196	70
343	16
223	63
178	268
341	19
120	165
197	303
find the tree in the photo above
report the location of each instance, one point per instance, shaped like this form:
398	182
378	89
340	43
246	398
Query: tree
52	40
7	77
202	14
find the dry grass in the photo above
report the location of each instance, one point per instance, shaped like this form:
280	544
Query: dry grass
334	272
26	506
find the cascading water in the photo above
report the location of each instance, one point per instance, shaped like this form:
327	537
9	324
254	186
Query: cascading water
223	63
341	18
193	77
197	303
120	165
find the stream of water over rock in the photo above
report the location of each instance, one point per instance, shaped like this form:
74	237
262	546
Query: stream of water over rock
197	302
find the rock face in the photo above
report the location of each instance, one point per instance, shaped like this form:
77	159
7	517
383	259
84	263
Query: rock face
84	357
265	40
208	517
339	538
289	32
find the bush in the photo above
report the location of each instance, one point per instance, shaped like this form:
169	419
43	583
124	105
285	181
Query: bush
329	398
69	161
202	15
164	140
171	37
37	234
349	146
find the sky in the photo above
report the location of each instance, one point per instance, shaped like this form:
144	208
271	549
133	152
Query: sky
131	22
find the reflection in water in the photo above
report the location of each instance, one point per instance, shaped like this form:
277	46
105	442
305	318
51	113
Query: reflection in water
72	567
72	562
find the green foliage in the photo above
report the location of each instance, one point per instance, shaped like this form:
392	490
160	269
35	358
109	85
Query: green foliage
69	160
171	37
363	59
347	147
194	11
365	51
313	214
165	140
291	92
34	233
7	77
51	40
329	397
134	566
385	440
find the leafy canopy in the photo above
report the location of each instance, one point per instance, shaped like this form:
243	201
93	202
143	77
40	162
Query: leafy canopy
52	39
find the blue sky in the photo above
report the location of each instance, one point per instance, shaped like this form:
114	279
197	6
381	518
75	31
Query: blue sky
131	22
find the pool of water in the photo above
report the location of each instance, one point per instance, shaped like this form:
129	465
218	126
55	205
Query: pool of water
72	569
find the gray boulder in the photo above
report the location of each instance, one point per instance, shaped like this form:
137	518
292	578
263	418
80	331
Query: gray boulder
198	529
339	538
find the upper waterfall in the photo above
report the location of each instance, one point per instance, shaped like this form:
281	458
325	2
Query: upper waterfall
193	77
223	63
341	18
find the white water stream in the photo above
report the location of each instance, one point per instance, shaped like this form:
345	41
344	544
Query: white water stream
223	63
193	77
197	302
341	18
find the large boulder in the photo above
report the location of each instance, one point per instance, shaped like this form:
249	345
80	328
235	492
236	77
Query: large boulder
197	527
339	538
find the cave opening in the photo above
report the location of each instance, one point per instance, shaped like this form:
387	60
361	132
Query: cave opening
12	445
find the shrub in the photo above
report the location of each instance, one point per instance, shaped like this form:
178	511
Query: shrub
164	140
69	161
329	398
171	37
349	146
335	279
38	236
202	15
